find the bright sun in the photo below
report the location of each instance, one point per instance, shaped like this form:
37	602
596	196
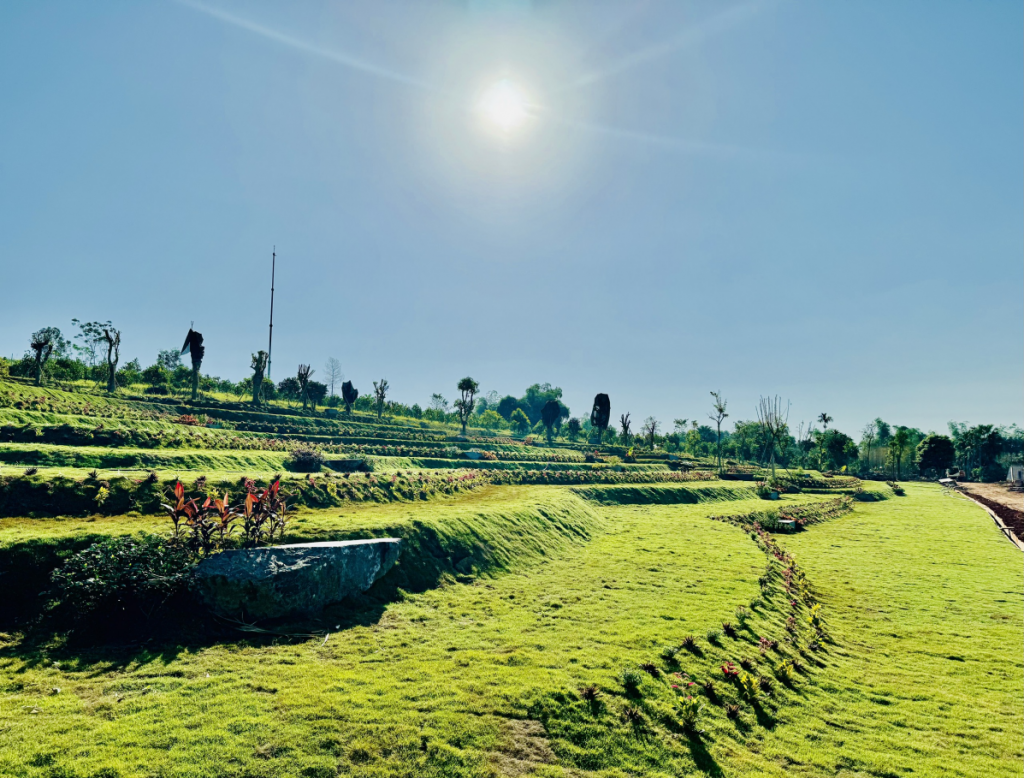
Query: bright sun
504	106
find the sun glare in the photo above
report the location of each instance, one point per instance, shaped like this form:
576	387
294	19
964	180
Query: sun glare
504	106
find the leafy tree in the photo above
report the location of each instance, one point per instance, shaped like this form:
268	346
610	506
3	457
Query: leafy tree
45	343
416	411
258	365
349	394
573	429
536	397
935	454
600	415
316	392
490	420
465	404
507	406
104	338
839	449
718	416
289	388
169	359
650	430
897	445
156	375
380	393
550	414
130	374
520	422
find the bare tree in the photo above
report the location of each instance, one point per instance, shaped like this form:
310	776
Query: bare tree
259	367
44	343
303	375
774	421
333	375
650	430
380	393
718	417
106	336
624	428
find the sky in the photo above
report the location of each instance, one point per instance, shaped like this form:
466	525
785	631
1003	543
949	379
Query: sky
821	201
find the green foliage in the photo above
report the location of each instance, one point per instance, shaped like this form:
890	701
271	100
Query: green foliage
935	454
132	574
306	458
520	422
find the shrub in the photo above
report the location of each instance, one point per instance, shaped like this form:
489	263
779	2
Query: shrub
651	669
713	636
630	678
307	459
669	653
590	693
689	710
728	629
127	573
732	711
742	614
689	643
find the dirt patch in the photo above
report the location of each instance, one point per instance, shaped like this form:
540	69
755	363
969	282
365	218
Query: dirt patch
524	747
997	493
1005	504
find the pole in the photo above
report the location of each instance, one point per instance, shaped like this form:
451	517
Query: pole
270	342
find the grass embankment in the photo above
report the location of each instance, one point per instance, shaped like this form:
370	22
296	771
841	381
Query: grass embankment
921	597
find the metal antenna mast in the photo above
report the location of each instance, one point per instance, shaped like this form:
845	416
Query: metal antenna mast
270	343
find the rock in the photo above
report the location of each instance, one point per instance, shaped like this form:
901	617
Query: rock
294	580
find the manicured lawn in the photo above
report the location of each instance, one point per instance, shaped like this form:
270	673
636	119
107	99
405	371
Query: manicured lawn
921	597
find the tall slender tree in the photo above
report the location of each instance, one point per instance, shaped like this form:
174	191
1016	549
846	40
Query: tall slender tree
718	417
304	373
624	428
774	423
258	367
380	394
600	415
105	337
466	403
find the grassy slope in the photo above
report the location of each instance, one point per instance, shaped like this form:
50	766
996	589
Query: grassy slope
921	595
924	598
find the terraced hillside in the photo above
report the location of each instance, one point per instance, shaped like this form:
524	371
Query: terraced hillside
573	622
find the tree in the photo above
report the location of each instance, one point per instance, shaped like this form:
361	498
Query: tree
573	429
380	393
316	392
550	414
507	406
650	430
600	415
867	440
45	343
332	374
719	415
106	337
520	422
439	404
169	359
196	350
303	375
289	388
259	367
935	454
897	445
839	448
465	404
130	374
624	428
774	423
490	420
349	394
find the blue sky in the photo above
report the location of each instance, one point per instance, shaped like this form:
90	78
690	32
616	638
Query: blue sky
818	200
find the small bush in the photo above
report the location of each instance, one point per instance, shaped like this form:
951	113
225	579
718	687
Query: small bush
126	573
590	693
732	711
713	636
689	643
630	678
651	669
31	470
307	459
728	629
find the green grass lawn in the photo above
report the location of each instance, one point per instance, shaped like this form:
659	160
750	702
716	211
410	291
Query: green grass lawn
921	596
